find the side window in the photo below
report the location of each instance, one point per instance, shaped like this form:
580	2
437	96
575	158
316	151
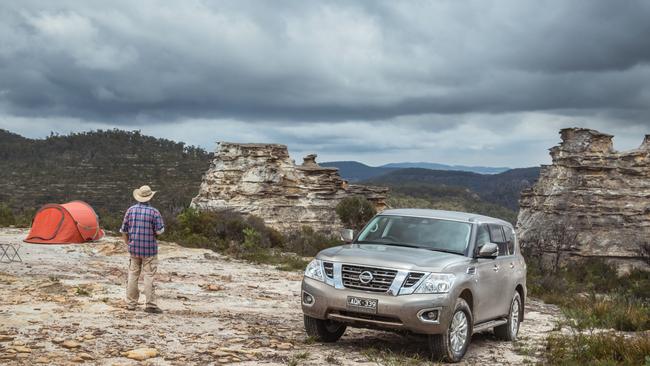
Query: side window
482	236
498	237
510	239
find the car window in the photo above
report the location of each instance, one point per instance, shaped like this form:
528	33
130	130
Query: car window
429	233
482	236
510	240
498	237
496	234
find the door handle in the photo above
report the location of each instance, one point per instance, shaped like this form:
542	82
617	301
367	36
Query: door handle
496	268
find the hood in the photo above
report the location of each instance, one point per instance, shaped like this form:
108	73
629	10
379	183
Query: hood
390	256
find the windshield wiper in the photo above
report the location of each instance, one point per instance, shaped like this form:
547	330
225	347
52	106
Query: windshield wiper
378	242
443	250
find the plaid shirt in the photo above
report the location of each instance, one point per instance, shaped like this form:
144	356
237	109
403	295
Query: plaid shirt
142	223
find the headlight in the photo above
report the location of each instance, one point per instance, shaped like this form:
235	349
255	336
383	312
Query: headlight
436	283
315	270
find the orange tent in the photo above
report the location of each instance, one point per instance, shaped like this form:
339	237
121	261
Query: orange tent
73	222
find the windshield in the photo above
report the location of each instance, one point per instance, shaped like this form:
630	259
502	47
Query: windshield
427	233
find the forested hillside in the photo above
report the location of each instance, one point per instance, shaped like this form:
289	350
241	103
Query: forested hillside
354	171
100	167
502	189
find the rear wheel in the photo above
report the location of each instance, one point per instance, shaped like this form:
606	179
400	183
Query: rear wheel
453	343
323	330
509	330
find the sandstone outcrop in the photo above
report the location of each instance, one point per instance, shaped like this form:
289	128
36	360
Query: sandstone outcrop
262	180
600	195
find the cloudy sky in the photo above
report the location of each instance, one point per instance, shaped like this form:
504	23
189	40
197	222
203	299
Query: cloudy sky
458	82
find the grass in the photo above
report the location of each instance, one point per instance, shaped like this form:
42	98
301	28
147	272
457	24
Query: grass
281	261
389	358
598	349
82	291
297	358
614	312
593	295
332	360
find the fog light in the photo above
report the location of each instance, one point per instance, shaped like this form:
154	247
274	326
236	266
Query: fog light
307	299
429	315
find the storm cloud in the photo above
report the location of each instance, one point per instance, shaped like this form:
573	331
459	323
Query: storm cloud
293	69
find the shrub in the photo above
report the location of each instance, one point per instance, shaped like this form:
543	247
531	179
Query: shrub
244	237
7	217
598	349
110	221
354	212
592	294
18	218
308	242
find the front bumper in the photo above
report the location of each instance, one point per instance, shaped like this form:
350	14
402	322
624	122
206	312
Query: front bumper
393	312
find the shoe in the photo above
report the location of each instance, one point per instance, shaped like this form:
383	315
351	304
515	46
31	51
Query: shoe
153	310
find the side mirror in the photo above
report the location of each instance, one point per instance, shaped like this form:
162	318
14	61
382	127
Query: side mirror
488	250
347	235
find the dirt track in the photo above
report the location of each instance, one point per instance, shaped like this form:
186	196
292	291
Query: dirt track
63	305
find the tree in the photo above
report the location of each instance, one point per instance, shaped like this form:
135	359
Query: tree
554	239
354	212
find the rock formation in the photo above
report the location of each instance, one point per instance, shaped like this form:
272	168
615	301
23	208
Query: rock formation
261	179
600	195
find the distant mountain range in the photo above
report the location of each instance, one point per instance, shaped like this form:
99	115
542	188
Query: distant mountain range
436	166
355	171
502	189
436	186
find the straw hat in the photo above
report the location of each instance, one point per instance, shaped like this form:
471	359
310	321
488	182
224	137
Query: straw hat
143	194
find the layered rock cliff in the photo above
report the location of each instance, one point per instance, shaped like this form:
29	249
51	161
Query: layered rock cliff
261	179
598	197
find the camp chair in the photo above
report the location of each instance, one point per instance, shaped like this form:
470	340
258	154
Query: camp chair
9	253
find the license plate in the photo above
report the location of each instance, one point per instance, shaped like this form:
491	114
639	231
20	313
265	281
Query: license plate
362	305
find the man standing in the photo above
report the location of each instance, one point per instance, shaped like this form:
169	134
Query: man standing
142	223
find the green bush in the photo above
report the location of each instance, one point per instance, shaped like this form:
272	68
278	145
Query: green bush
17	218
593	295
7	217
244	237
598	349
355	212
308	242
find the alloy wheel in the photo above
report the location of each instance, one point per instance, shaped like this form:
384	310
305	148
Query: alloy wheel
514	317
458	331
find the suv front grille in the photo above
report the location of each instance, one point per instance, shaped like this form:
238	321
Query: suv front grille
412	279
381	278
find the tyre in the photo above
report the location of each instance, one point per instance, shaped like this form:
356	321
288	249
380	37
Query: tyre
453	343
509	330
323	330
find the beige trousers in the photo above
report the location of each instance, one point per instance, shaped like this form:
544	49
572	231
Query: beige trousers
149	266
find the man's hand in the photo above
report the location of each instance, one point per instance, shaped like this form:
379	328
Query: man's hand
125	237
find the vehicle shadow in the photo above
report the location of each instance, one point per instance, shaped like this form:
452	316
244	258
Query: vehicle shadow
378	346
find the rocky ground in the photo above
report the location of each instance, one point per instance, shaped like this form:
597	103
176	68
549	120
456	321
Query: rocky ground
64	305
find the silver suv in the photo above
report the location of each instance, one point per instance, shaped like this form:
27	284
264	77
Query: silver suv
443	274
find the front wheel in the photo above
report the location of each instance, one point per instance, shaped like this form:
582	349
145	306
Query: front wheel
509	330
323	330
453	343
